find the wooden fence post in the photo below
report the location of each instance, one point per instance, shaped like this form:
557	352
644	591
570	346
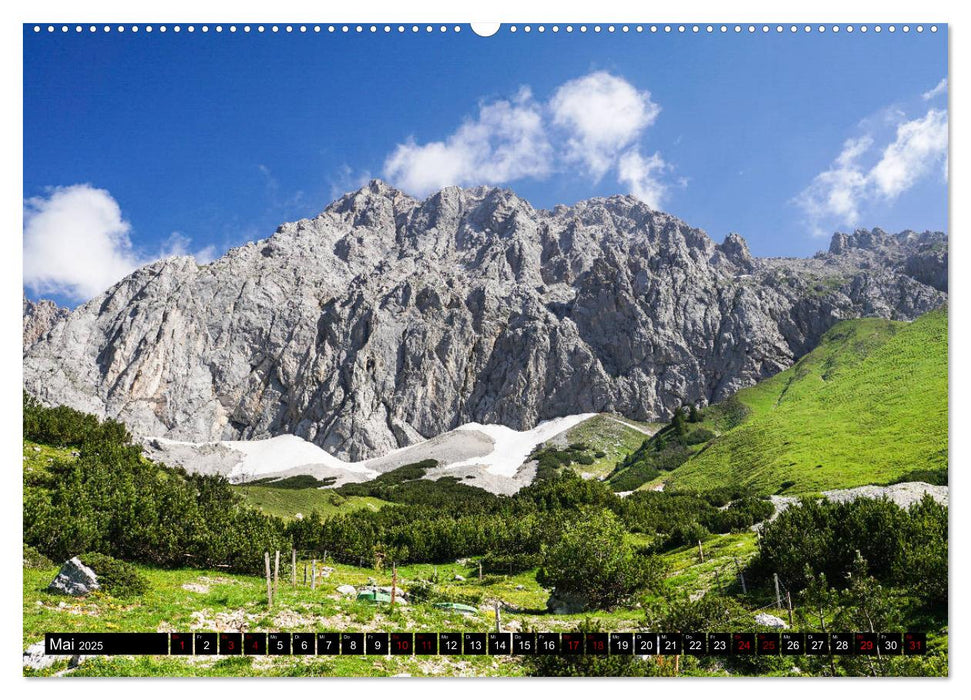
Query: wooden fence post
394	581
305	573
480	571
498	618
313	575
701	553
778	598
293	567
269	581
741	576
276	572
789	601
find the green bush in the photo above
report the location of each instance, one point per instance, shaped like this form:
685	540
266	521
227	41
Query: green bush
593	559
699	436
655	455
111	500
550	459
296	483
740	515
35	560
118	578
512	563
422	591
710	613
905	548
61	426
588	665
686	534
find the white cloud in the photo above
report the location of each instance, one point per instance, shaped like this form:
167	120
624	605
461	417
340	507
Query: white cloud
77	244
836	193
938	89
507	141
920	144
641	175
835	197
594	121
602	115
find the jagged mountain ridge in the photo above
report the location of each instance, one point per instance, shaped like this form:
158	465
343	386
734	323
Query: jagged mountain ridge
39	318
386	320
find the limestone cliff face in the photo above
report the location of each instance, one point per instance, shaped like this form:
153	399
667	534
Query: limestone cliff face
386	319
39	318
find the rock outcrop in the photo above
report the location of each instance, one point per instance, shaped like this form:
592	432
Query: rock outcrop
766	620
74	579
566	603
39	318
386	320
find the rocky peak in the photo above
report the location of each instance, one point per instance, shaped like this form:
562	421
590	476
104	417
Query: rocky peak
735	249
386	319
863	239
39	318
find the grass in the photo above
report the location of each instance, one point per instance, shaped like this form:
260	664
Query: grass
868	406
206	600
37	457
192	599
286	502
189	600
614	439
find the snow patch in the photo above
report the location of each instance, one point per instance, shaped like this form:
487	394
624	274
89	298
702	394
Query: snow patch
246	460
512	447
277	454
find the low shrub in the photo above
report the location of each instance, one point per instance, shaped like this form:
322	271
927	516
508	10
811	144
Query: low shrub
34	559
686	533
116	577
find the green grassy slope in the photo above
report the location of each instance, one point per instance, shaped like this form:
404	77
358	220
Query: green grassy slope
868	406
612	437
288	502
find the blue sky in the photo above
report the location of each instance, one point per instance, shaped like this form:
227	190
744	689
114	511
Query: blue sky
140	145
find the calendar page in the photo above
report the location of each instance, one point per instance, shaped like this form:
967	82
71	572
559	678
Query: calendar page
522	349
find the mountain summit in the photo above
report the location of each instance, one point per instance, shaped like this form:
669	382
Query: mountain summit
386	320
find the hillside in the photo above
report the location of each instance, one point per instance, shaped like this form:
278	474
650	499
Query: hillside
868	406
386	321
675	560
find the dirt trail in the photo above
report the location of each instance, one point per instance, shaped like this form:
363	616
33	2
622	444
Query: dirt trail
644	431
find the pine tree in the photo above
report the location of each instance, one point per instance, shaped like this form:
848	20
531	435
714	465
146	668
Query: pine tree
678	423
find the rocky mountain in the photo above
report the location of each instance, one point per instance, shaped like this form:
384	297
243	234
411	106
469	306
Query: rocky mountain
386	320
39	318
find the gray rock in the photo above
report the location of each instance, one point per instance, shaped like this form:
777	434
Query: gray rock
39	318
36	659
346	589
767	620
74	579
399	593
566	603
458	577
386	320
